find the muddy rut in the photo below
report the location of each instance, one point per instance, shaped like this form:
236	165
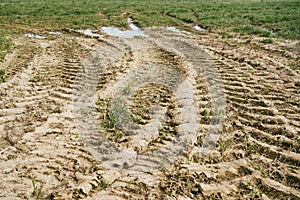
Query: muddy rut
169	116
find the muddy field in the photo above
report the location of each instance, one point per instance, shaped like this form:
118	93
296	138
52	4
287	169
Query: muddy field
169	116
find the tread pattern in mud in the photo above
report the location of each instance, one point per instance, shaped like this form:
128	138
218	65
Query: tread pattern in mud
179	139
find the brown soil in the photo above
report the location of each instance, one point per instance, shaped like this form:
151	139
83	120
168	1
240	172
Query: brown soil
57	141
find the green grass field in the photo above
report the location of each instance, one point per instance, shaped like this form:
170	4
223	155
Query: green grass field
258	17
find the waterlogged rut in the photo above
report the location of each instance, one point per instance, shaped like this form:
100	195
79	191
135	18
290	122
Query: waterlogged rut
147	118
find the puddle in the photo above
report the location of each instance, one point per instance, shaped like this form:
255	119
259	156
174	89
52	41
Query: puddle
173	29
176	30
134	32
54	33
198	28
89	32
30	35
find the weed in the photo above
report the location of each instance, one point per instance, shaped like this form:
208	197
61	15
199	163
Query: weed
187	182
252	148
224	146
119	135
111	123
5	46
137	119
163	132
118	113
37	190
2	76
96	59
295	66
104	184
267	41
205	113
94	166
127	89
256	191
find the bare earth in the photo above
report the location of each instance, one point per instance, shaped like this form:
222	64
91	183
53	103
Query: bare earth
56	144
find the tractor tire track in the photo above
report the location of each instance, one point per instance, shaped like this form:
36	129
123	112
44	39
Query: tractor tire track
200	119
42	155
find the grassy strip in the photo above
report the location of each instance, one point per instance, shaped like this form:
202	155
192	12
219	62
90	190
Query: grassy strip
259	17
5	45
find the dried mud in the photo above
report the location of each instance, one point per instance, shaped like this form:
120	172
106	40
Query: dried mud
57	141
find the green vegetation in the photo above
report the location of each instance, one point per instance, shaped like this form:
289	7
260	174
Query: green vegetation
2	76
5	45
267	41
224	146
293	66
37	190
104	184
260	17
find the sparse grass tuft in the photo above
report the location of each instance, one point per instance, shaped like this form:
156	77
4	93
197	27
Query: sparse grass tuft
2	76
37	190
224	146
117	113
266	41
104	183
295	66
5	46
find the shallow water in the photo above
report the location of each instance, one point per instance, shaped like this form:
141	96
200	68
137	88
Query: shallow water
54	33
30	35
134	32
198	28
89	32
173	29
176	30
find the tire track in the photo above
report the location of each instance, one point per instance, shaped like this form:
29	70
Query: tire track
263	136
44	147
158	82
172	140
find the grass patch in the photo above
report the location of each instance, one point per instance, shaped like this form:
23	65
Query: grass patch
247	17
249	29
266	41
293	66
5	46
117	113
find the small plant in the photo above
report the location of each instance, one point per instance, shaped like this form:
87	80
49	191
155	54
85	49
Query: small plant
119	135
104	183
5	46
205	113
137	119
253	148
127	89
118	113
96	59
94	166
2	76
295	66
111	123
163	132
224	146
256	191
267	41
37	190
